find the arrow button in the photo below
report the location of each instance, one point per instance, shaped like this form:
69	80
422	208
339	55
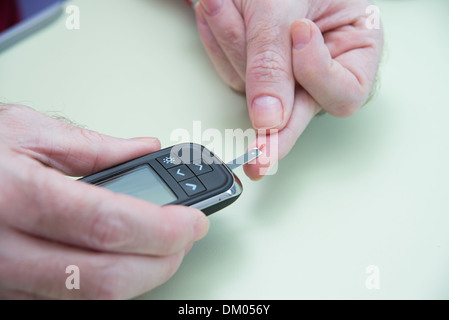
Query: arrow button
192	186
199	168
181	173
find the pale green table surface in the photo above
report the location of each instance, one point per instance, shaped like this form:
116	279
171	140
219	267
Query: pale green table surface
372	189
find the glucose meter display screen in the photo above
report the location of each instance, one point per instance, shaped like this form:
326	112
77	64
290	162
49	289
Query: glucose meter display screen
143	183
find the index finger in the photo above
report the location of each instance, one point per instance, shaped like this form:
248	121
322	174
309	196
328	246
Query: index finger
278	144
57	208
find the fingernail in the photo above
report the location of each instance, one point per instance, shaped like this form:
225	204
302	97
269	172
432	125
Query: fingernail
301	34
201	227
146	139
267	112
212	7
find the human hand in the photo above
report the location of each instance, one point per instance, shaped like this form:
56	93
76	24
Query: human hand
122	246
293	58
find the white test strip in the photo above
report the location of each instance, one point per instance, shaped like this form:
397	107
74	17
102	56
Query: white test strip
244	159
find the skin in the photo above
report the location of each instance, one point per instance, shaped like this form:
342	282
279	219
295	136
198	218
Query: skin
123	246
294	59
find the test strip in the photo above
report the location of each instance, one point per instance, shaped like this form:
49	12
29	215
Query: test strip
244	159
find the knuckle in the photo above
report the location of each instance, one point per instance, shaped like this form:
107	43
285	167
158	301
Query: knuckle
172	265
268	66
233	43
236	83
238	87
233	36
174	232
13	117
111	281
344	109
93	139
347	104
110	231
115	278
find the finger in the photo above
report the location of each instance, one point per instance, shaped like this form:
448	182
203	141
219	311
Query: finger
278	144
341	85
270	83
228	28
74	151
42	202
38	268
215	52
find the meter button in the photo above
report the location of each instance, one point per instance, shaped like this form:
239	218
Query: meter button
181	173
192	186
169	161
199	168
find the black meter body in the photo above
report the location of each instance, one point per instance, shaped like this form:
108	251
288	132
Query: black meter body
186	174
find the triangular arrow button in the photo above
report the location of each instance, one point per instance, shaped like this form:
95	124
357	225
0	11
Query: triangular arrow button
191	185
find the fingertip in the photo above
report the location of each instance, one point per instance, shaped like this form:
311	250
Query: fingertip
201	226
252	172
187	224
211	7
257	169
262	167
154	142
301	33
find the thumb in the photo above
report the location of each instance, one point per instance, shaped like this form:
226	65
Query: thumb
83	152
270	84
74	151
